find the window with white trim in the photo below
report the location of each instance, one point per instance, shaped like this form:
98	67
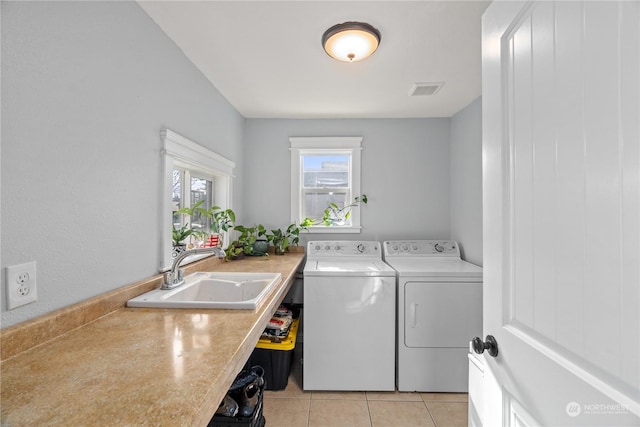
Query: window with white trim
191	188
325	170
191	173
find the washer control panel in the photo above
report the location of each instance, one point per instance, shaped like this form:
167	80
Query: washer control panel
332	248
444	248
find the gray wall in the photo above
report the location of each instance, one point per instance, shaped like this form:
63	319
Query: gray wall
86	88
405	174
466	180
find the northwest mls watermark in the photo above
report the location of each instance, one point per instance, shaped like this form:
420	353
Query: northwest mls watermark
574	409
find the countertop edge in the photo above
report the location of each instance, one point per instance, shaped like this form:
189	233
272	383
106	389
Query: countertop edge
213	397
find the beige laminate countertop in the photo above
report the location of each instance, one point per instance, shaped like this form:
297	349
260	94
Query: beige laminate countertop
137	366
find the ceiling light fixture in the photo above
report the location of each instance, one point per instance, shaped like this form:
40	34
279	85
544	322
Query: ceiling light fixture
351	41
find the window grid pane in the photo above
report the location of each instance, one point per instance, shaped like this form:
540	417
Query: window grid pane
326	179
326	170
176	196
187	190
316	202
200	191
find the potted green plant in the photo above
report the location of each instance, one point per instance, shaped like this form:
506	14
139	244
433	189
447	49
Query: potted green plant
336	215
280	241
192	210
189	231
291	236
261	244
234	251
221	220
243	244
178	235
254	239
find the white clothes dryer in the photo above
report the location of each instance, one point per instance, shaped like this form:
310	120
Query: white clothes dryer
439	311
349	317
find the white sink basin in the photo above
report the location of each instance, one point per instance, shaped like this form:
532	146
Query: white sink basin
231	290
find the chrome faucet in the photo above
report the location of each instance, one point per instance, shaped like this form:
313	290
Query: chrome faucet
175	277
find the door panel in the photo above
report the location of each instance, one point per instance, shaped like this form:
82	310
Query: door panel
561	211
349	332
442	314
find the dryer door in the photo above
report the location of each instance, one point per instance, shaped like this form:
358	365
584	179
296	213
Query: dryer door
442	314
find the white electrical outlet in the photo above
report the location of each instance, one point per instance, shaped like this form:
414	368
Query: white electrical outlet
21	284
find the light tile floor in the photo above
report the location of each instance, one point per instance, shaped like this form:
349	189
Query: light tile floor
293	407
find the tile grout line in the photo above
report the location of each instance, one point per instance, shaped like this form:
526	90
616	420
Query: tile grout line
429	412
368	409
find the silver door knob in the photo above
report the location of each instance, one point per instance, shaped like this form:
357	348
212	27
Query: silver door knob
490	344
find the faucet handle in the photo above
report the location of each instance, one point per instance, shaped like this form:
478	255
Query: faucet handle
168	279
173	279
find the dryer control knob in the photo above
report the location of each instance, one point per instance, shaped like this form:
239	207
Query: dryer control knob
317	247
337	247
361	247
326	248
438	247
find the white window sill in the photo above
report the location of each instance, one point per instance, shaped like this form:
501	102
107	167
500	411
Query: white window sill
334	230
187	260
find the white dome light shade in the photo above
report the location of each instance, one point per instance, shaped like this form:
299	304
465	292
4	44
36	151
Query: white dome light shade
351	41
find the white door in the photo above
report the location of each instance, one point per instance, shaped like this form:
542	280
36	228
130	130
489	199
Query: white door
561	161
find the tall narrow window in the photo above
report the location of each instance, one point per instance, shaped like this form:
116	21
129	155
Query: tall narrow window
189	189
192	174
325	171
326	179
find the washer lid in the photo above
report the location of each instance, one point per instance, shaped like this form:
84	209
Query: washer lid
434	267
336	267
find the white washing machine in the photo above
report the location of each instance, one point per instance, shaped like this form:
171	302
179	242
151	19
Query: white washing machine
439	311
349	317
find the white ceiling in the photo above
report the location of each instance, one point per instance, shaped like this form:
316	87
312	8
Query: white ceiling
266	58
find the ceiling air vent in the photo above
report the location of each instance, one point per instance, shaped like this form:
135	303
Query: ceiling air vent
422	89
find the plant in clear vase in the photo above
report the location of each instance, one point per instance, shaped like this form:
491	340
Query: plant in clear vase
336	215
